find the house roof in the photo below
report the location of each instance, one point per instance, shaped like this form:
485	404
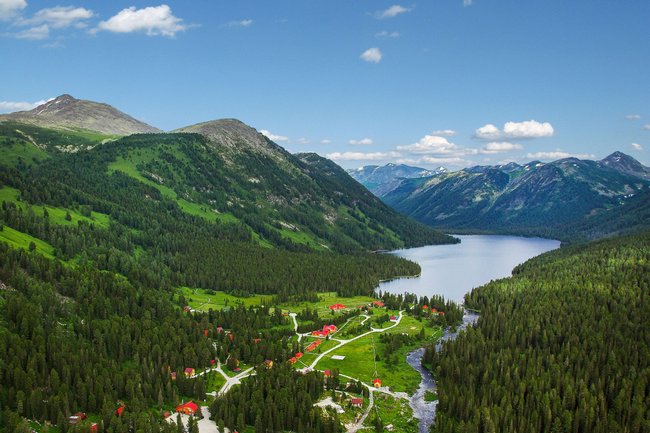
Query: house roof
189	405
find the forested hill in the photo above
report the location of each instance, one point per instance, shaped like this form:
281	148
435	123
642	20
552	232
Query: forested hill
562	346
561	199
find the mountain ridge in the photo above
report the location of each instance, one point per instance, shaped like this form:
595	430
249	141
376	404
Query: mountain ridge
68	113
514	198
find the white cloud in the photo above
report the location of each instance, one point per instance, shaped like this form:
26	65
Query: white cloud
373	55
34	33
363	142
326	141
392	11
444	132
526	129
273	137
240	23
468	2
303	140
431	144
500	147
9	8
646	127
153	20
558	154
387	34
636	146
60	17
362	156
10	107
633	117
487	132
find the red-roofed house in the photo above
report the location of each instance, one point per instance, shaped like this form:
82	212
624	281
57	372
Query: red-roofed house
356	402
378	303
329	328
377	383
268	363
327	373
293	360
188	408
119	411
94	428
299	355
173	374
189	371
393	318
337	307
442	313
425	307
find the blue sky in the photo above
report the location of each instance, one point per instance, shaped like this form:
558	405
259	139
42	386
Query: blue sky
436	82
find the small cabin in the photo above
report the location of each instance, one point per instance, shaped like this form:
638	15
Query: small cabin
357	402
189	408
189	371
377	383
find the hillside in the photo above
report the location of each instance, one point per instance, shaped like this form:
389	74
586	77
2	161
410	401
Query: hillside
381	180
535	198
71	114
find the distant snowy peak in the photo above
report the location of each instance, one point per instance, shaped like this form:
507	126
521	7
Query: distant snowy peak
380	180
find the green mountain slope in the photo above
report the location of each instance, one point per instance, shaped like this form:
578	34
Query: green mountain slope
535	198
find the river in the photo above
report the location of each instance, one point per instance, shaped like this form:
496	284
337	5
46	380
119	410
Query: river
452	271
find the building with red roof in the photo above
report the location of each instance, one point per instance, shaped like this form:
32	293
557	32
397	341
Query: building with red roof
377	383
393	318
327	373
299	355
356	402
119	410
293	360
188	408
378	303
189	371
337	307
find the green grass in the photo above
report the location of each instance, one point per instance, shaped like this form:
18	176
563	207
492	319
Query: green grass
204	300
430	396
395	412
11	153
214	381
327	299
57	215
358	362
23	240
300	237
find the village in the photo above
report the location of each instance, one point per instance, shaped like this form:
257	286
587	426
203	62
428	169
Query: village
362	382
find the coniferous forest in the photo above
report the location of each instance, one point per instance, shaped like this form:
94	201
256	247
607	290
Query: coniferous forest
562	346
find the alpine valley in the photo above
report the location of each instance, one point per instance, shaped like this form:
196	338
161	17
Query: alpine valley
207	280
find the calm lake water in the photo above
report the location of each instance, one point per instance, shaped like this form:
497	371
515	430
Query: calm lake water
453	270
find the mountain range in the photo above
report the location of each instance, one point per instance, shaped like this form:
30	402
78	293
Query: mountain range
533	198
382	179
219	170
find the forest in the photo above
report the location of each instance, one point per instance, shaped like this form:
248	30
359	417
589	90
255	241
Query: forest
562	346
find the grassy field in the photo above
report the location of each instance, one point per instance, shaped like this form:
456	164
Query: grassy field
327	299
204	300
214	381
10	154
57	215
358	362
23	240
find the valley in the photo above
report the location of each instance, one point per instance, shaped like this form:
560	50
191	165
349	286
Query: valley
209	271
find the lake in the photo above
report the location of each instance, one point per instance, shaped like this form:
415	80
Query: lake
453	270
